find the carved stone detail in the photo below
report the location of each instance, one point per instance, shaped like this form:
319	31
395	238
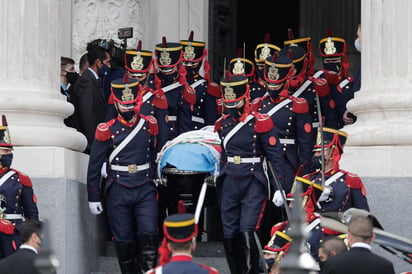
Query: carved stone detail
94	19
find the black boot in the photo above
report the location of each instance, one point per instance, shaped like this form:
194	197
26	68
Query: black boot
233	252
126	255
252	255
148	251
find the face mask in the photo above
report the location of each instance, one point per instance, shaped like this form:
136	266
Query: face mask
321	264
316	162
72	77
191	72
6	160
128	115
332	67
104	71
168	79
358	45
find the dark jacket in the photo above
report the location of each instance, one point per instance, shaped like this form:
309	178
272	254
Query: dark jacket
89	106
21	262
357	260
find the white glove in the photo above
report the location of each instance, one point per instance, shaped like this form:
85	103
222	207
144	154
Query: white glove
95	208
103	170
278	198
327	191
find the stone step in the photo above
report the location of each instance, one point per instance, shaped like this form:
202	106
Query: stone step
208	253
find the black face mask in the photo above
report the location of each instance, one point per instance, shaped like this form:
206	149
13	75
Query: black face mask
316	162
6	160
332	67
72	77
234	112
128	115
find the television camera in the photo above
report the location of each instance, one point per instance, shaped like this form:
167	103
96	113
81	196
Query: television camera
117	50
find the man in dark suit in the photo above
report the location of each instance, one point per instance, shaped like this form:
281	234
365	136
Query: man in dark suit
88	98
359	258
23	260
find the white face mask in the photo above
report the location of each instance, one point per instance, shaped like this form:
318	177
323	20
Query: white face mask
358	45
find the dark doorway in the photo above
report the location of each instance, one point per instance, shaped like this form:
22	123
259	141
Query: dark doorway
236	24
260	17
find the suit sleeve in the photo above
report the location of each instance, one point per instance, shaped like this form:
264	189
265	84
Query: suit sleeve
86	102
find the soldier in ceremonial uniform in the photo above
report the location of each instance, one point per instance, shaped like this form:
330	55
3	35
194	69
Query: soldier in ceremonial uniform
314	89
335	66
176	252
169	81
140	65
127	143
306	44
262	51
242	188
341	189
204	111
292	119
17	199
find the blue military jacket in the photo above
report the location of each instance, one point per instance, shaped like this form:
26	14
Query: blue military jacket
293	124
255	139
17	196
130	162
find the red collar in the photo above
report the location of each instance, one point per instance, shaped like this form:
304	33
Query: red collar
181	257
125	122
4	169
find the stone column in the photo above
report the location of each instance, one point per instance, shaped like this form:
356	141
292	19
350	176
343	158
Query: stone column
379	145
29	78
383	130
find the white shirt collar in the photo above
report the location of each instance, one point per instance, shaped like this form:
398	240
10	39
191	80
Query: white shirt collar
363	245
23	246
94	73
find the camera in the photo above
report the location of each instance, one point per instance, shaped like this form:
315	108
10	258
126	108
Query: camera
125	33
117	50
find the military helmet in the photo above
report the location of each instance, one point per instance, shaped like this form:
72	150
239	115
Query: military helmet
5	140
297	55
125	91
332	46
264	50
180	227
331	137
241	66
235	89
303	42
193	51
168	54
277	69
138	61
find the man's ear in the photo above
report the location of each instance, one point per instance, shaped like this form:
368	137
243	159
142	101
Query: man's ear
373	237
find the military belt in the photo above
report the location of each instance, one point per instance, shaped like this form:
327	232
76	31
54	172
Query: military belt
198	119
13	217
133	168
237	160
287	141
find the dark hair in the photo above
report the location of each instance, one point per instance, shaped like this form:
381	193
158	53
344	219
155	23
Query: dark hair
83	63
93	44
94	54
28	228
181	246
65	61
